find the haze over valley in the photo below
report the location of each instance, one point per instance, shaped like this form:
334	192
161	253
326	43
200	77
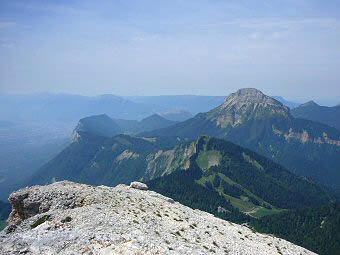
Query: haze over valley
169	127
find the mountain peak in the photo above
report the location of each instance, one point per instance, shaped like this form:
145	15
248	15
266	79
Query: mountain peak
310	103
154	116
246	104
101	125
249	91
250	95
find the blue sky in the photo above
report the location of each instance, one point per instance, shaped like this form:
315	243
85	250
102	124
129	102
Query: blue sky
143	47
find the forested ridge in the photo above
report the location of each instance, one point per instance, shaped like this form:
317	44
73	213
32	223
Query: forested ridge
317	229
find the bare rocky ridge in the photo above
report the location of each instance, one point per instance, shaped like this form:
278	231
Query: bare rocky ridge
70	218
246	104
251	95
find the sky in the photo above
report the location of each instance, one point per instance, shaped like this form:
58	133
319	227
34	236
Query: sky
289	48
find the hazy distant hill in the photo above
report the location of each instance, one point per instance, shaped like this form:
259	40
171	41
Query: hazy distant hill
176	115
63	107
103	125
315	112
285	102
34	128
261	123
152	122
190	103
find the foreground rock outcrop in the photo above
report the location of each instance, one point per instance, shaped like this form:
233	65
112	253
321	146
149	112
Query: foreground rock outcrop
70	218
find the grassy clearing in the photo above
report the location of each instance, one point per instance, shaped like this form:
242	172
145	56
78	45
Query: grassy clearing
261	212
243	203
243	206
206	159
249	193
252	161
204	179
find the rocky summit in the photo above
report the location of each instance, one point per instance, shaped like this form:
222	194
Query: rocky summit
246	104
250	95
71	218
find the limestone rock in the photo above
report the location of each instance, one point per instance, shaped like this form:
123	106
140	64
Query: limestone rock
70	218
139	185
247	104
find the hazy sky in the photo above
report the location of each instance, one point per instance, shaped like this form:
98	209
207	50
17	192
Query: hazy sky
144	47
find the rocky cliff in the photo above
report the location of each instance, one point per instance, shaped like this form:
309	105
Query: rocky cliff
244	105
70	218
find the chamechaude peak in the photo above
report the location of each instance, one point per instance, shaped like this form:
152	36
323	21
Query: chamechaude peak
246	104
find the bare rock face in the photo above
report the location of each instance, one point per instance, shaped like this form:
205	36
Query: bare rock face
246	104
70	218
251	96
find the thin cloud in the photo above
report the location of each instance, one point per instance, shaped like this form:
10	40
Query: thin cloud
7	24
59	9
260	23
7	45
167	47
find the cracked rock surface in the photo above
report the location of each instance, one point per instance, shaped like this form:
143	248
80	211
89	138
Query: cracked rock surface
71	218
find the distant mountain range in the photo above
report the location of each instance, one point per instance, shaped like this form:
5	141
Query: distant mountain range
322	114
152	122
176	115
189	103
71	108
35	128
253	120
193	104
62	107
258	122
285	102
265	183
25	147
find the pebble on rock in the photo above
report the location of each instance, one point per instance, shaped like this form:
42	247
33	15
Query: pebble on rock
139	185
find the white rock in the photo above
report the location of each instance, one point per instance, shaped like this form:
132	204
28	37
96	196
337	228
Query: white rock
122	220
139	185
